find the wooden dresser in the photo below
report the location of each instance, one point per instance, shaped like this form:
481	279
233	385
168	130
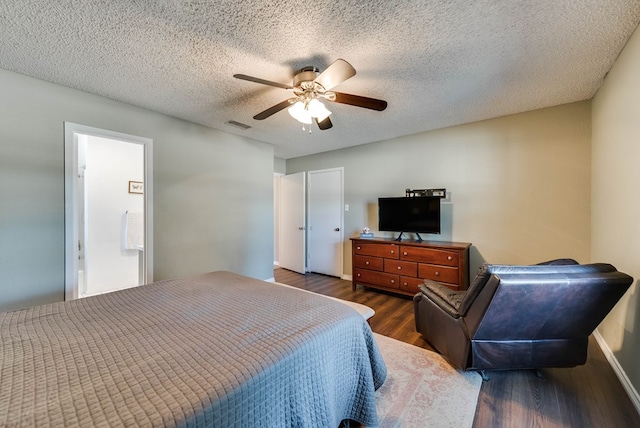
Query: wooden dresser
400	267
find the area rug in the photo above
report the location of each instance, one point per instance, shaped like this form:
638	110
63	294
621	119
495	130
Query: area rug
423	390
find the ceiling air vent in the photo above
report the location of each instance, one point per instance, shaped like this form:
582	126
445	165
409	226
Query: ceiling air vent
238	124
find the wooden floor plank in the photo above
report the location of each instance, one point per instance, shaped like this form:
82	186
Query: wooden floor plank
586	396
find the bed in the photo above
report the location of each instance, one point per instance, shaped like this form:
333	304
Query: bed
218	349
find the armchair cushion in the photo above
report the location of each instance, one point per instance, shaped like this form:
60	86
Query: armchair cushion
478	283
447	299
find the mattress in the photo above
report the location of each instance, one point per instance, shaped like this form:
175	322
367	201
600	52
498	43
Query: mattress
218	349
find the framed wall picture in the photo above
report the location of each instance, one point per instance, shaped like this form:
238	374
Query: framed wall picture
136	187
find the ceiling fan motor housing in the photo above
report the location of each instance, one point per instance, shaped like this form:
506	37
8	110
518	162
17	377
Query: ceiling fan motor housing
307	74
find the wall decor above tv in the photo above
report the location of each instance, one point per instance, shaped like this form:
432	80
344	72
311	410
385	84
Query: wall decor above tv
415	193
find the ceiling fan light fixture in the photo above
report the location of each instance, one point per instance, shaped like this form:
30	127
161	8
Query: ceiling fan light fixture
300	113
318	110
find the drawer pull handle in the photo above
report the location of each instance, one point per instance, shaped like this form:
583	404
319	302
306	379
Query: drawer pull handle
393	281
437	274
358	274
399	267
392	252
405	253
357	248
449	258
366	263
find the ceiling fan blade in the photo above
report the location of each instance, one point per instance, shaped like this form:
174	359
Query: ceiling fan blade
274	109
324	124
262	81
335	74
358	101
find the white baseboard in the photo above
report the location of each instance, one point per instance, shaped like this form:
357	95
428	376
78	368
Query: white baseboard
617	368
347	277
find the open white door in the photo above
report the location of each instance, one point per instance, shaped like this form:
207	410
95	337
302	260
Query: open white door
96	209
292	222
326	217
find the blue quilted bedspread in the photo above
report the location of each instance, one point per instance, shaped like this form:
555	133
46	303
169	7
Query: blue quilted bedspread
219	350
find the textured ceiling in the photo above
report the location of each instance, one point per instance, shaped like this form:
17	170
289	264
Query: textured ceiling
437	63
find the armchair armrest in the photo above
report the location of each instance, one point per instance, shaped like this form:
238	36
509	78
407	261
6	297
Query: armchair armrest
439	323
558	262
445	298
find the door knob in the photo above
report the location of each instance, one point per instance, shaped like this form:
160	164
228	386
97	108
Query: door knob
301	228
337	229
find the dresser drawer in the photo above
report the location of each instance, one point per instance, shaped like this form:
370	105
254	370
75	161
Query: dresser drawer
389	251
386	280
429	255
401	268
439	273
366	262
410	285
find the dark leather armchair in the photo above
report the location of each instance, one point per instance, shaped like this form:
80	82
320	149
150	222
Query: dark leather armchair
519	317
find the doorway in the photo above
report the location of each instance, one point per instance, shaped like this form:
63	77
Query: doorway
326	221
319	247
108	211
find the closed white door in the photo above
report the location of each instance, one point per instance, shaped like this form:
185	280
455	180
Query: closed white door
326	218
292	222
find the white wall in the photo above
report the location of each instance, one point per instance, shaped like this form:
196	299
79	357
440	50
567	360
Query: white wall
519	185
615	226
213	191
279	165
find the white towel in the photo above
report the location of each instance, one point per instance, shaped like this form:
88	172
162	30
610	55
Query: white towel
134	231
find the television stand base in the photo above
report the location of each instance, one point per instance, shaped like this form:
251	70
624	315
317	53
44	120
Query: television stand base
418	239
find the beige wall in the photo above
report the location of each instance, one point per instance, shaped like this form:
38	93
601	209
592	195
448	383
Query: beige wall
519	185
616	199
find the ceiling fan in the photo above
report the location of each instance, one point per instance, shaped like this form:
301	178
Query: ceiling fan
309	86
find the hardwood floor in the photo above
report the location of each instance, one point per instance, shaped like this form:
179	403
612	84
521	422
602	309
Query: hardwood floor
585	396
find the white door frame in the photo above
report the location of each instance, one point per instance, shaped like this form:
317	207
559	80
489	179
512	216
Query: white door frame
71	131
276	218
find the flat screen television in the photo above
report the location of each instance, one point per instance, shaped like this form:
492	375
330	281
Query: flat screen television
409	214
